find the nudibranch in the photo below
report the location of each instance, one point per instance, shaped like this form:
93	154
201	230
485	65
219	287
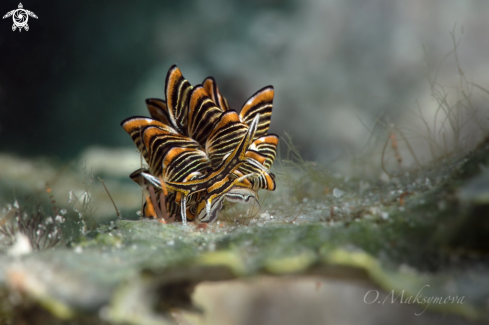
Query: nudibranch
200	152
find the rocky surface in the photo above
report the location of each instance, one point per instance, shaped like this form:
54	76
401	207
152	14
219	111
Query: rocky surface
421	236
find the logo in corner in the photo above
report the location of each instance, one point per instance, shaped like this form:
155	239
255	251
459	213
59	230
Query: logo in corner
20	17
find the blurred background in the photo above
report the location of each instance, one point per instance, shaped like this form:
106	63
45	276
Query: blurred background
337	66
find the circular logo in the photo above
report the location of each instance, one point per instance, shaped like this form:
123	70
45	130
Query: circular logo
20	17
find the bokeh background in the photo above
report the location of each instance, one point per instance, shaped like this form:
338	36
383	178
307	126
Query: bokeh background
84	66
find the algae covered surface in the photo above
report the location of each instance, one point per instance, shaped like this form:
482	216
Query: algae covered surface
422	237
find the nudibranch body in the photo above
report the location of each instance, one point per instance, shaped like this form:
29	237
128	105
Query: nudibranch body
200	152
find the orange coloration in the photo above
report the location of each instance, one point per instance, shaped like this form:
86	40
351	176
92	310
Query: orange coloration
174	152
190	215
136	124
198	101
245	182
264	96
209	85
212	90
202	226
269	139
226	119
270	182
158	110
196	146
393	140
218	184
255	155
403	195
150	133
51	198
163	186
395	147
178	197
149	209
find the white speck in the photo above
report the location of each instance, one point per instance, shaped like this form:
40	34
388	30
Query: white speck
21	246
338	193
384	215
16	204
427	182
265	215
139	213
170	243
49	220
78	249
63	212
59	219
304	200
86	198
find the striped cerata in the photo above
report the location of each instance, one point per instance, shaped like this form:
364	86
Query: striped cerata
200	152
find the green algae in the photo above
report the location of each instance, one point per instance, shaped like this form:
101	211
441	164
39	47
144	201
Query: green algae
419	247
